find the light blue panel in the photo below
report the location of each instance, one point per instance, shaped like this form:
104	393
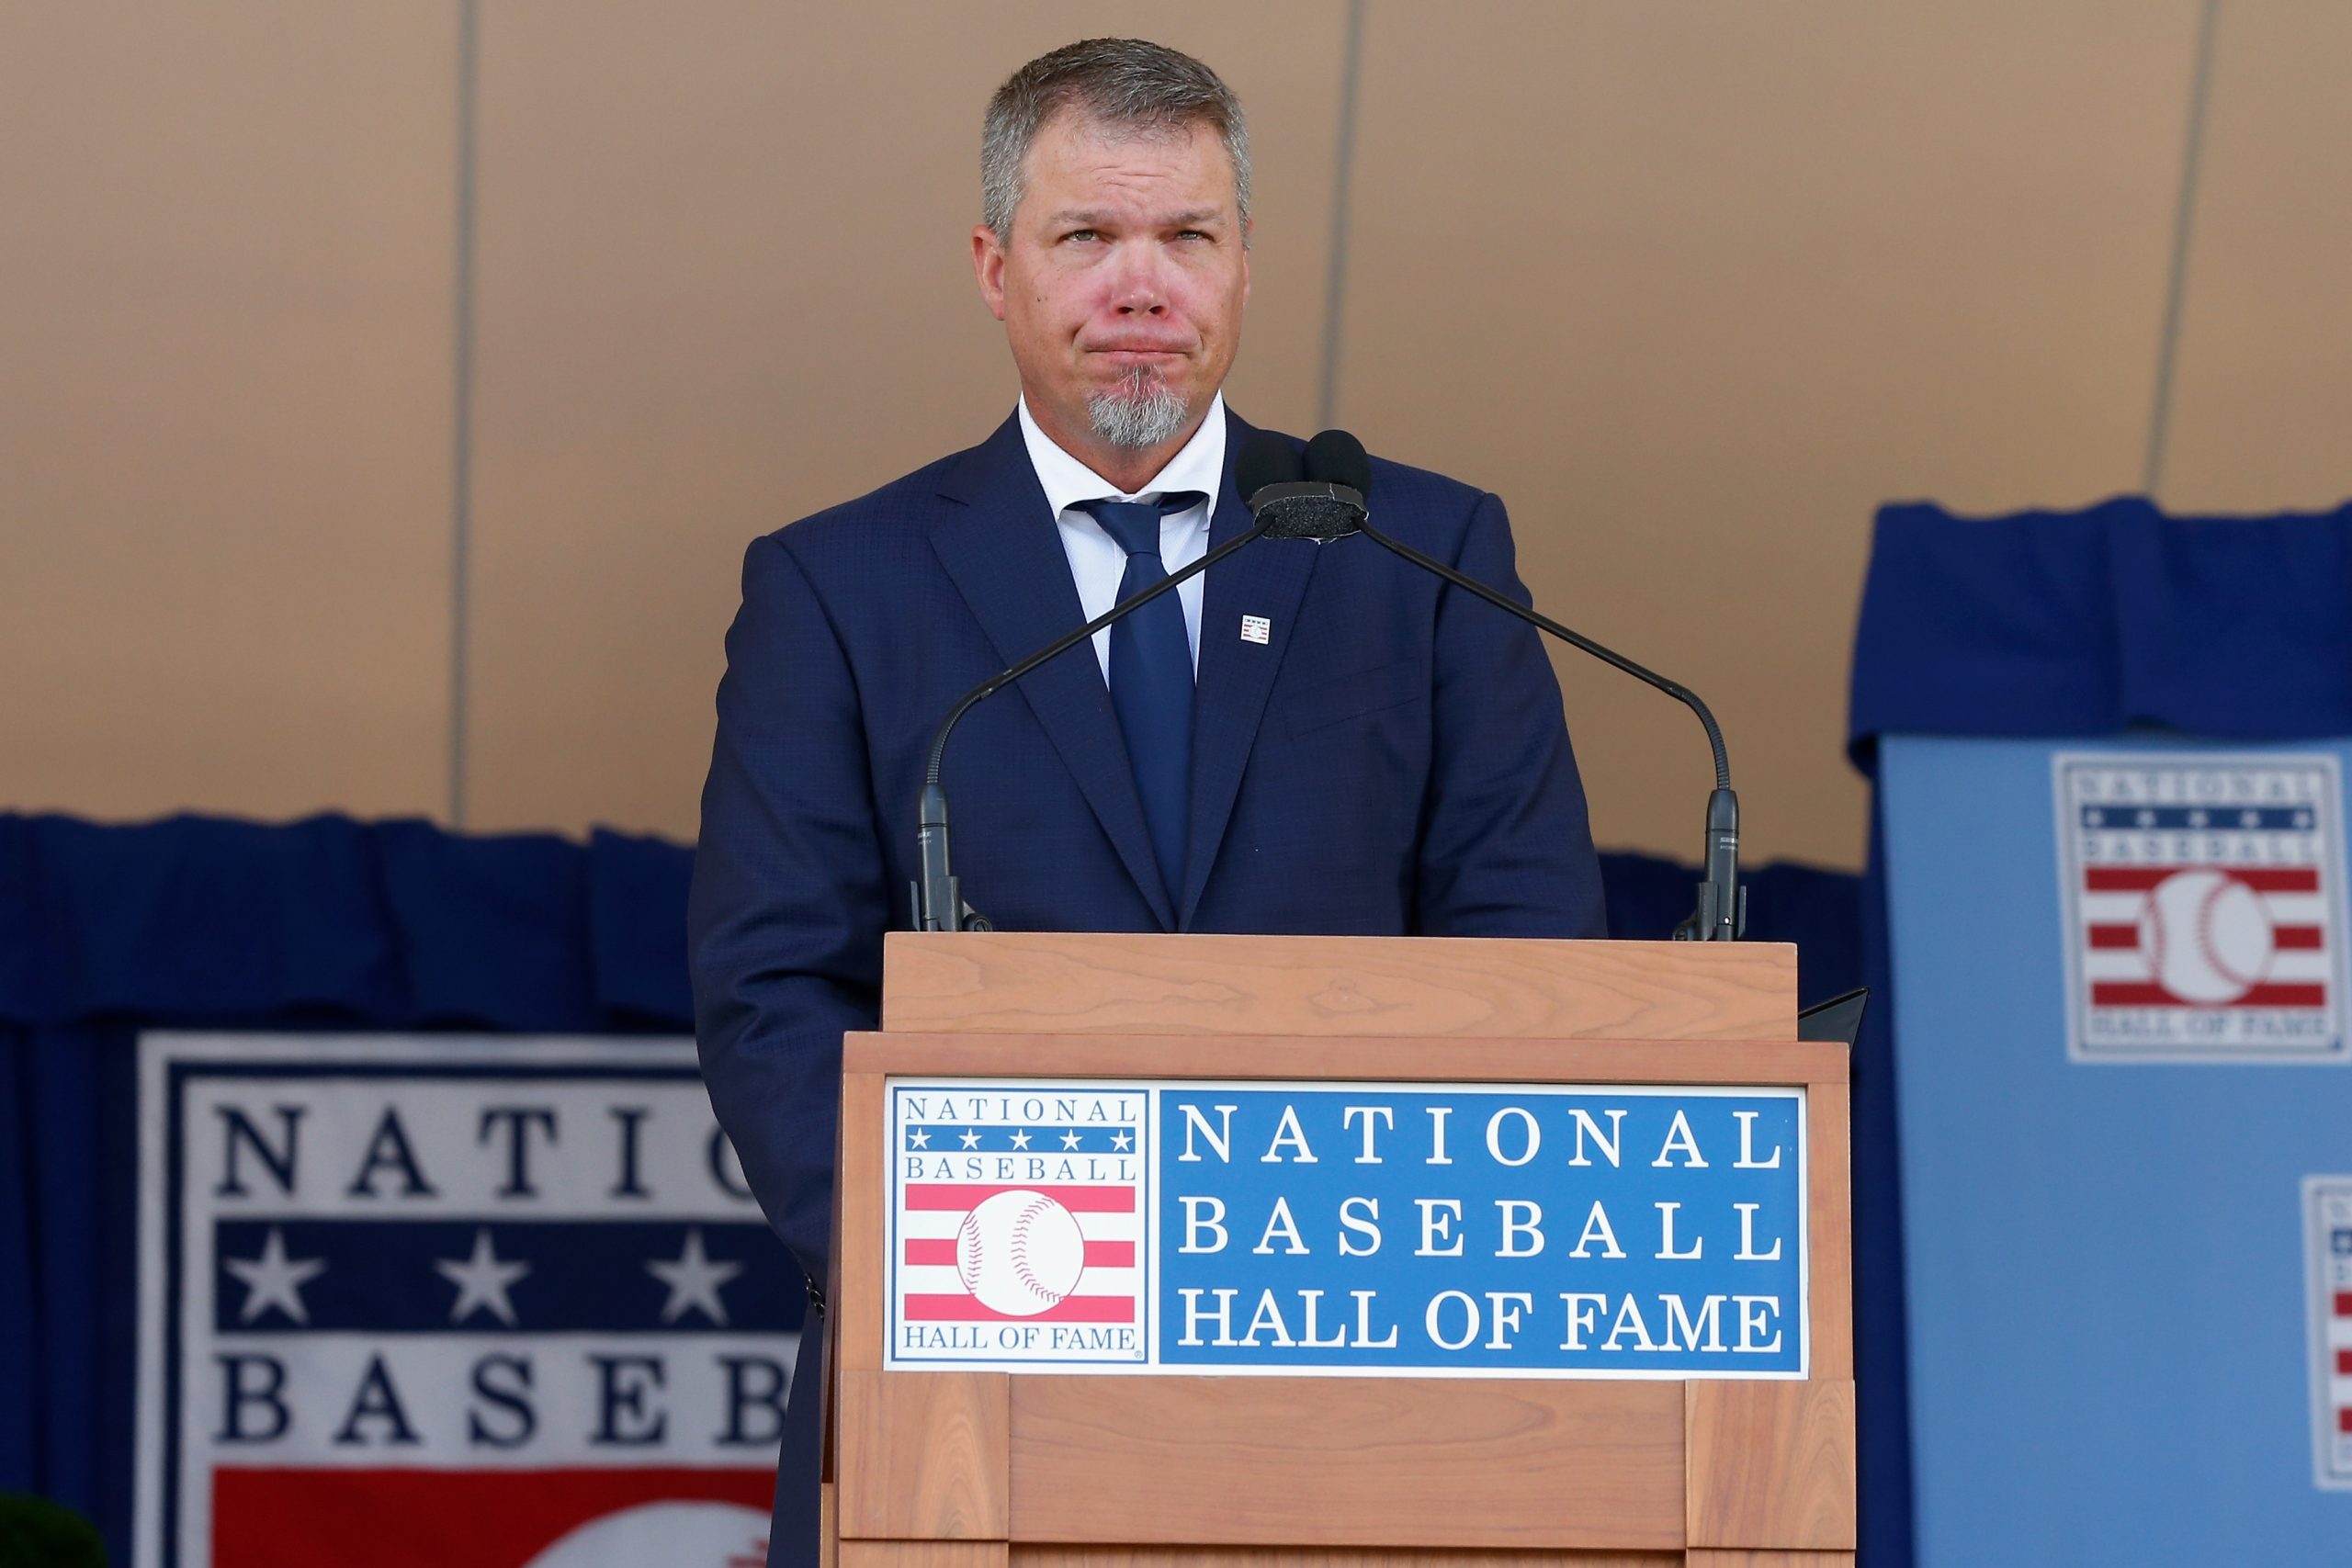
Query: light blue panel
2110	1360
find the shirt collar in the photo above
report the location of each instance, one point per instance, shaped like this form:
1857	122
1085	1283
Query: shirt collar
1200	465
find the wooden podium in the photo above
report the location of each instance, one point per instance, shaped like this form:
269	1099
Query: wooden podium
993	1469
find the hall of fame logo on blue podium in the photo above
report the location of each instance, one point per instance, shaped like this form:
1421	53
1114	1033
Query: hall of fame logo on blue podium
2204	906
1354	1229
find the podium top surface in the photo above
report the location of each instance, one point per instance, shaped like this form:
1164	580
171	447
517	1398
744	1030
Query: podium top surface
1066	983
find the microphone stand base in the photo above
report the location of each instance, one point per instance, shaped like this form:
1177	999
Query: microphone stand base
1722	914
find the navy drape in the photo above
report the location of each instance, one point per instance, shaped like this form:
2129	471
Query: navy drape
333	924
2089	623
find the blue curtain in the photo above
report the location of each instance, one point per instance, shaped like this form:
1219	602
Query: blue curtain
333	924
2090	623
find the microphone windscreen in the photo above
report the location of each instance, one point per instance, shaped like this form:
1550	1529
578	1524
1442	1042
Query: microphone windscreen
1337	458
1268	459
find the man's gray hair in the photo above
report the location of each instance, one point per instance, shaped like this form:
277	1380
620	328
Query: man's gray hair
1123	83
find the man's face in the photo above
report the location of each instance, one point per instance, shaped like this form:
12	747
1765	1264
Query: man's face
1122	282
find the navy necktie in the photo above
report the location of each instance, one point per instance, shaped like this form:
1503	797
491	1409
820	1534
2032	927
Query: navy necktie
1151	679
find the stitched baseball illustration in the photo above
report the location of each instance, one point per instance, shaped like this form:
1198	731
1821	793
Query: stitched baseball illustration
1020	1253
2207	935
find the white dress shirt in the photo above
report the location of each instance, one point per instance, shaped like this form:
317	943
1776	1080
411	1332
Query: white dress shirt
1096	561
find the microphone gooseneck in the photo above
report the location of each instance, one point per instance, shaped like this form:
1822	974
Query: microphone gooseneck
1266	462
1338	460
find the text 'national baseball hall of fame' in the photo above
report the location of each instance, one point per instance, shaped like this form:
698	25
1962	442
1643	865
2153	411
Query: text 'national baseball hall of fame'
1359	1229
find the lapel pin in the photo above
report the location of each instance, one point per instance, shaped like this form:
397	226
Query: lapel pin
1257	628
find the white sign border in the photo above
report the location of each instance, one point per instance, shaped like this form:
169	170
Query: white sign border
1151	1366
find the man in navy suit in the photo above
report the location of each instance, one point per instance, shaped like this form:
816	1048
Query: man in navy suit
1307	739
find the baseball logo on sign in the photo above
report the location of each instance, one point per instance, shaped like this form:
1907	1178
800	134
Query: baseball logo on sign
1020	1253
1018	1222
2207	936
2204	912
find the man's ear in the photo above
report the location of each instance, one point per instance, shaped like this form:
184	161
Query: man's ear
1247	226
988	266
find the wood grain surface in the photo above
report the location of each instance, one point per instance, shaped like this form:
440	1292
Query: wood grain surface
1772	1465
1028	1556
857	1306
922	1456
1331	1462
1362	1057
921	1554
1063	983
1829	1230
1717	1559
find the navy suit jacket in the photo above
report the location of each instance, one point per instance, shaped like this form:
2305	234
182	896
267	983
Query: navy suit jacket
1392	761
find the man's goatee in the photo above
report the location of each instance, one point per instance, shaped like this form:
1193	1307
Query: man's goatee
1142	410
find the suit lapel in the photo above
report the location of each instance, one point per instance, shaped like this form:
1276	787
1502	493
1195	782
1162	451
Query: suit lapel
1004	554
1267	580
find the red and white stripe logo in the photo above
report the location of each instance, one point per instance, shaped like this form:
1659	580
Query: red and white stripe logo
2204	936
1054	1253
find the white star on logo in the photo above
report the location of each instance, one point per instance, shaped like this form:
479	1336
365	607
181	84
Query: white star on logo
273	1280
2147	819
971	1139
1021	1139
481	1281
2197	818
1069	1139
2249	818
1119	1140
918	1139
694	1280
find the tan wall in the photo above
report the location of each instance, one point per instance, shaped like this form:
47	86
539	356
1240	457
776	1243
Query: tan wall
225	243
1695	286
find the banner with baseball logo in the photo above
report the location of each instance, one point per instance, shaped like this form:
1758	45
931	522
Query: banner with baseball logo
470	1302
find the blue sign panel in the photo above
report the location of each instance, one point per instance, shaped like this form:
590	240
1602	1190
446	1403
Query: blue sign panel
1511	1232
1357	1229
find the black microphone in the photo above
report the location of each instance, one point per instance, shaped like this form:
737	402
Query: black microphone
1266	466
1267	460
1328	506
1338	460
